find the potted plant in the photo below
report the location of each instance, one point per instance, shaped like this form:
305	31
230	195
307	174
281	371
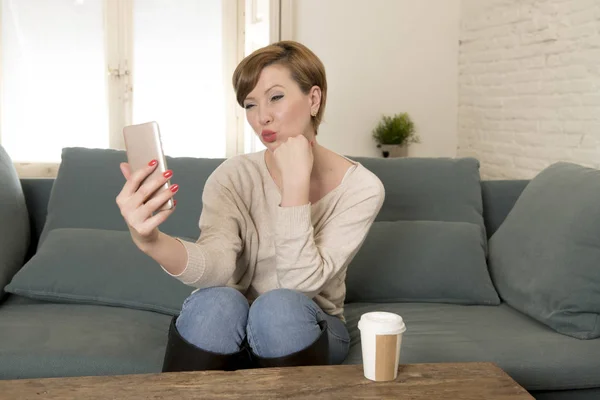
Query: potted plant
393	134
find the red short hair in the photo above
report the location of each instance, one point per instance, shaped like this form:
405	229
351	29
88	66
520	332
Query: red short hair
305	67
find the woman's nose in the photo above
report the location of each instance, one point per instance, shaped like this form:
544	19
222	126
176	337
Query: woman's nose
265	117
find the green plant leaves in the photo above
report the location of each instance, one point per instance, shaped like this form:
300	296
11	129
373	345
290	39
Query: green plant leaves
398	129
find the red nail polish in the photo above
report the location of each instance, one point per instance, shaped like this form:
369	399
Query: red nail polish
152	163
174	202
174	188
168	174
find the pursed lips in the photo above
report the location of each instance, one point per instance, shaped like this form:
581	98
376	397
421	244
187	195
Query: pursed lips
269	136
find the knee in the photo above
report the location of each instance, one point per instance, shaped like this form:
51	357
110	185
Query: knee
219	302
214	318
280	302
283	308
281	322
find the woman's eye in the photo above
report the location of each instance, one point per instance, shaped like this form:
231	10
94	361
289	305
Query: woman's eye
248	106
277	97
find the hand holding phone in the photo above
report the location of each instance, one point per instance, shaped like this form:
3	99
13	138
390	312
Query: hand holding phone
146	199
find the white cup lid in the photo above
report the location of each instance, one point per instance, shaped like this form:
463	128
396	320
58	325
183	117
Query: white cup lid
382	323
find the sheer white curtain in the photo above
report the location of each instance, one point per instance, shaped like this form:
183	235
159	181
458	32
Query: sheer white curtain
53	78
173	58
258	26
178	75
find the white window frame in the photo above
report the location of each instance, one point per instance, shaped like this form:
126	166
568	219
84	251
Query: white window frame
118	45
118	22
282	21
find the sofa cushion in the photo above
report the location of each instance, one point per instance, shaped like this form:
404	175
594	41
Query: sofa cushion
89	180
446	191
534	355
430	227
545	257
85	253
96	266
56	340
14	226
429	189
429	261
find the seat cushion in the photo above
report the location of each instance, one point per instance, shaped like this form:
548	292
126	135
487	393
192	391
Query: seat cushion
51	340
533	354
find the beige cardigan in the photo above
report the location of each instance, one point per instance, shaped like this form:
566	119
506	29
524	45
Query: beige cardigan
249	242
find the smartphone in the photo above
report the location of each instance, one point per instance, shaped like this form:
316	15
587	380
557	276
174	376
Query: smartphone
143	144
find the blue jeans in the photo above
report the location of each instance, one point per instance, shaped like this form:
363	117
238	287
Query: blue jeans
279	322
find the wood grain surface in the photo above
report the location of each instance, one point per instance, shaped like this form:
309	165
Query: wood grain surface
460	381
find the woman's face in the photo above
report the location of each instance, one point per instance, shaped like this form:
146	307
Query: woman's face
277	109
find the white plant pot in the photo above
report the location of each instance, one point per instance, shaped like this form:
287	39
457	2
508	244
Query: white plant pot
394	150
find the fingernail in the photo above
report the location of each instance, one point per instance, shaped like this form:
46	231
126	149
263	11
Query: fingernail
152	163
168	174
174	188
174	202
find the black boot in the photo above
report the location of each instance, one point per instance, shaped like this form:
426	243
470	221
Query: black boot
181	355
315	354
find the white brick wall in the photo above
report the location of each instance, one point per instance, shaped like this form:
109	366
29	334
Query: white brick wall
529	84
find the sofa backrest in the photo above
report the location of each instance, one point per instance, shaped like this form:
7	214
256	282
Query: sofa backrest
498	196
37	193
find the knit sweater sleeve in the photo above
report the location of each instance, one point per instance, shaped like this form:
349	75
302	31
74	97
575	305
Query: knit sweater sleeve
212	259
308	260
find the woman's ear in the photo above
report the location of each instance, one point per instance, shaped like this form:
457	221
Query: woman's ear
314	96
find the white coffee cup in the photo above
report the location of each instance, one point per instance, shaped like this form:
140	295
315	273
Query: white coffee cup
381	338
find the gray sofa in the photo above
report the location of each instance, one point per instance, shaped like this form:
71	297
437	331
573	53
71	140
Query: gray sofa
49	328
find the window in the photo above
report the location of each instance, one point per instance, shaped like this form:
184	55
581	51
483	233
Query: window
74	72
53	78
179	74
257	32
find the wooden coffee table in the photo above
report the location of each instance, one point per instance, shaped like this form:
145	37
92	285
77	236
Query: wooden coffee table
415	381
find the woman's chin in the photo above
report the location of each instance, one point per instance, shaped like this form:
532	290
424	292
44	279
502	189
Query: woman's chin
271	146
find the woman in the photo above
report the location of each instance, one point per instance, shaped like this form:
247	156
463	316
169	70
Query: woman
278	230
